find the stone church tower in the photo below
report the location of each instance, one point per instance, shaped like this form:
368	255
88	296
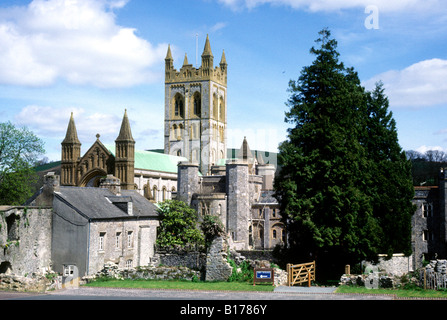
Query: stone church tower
196	110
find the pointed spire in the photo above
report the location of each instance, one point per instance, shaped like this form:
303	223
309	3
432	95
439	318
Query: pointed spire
224	59
125	132
169	54
185	61
244	152
72	134
207	49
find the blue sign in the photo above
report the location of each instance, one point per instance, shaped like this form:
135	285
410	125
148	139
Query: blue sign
263	274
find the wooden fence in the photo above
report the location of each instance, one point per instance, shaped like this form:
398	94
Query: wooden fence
301	273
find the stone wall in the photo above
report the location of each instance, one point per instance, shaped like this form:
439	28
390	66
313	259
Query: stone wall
192	260
398	265
111	270
31	283
25	240
217	266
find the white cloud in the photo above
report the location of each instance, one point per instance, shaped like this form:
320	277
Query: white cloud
50	122
77	41
335	5
419	85
218	26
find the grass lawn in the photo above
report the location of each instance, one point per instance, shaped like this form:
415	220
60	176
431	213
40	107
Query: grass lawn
181	285
248	286
401	293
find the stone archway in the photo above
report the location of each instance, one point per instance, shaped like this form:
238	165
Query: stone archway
92	178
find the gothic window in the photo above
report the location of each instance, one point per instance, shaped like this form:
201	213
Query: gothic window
164	194
155	194
177	131
222	109
427	210
222	135
179	106
215	106
197	105
174	132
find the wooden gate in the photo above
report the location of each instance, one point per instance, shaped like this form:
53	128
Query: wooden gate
301	273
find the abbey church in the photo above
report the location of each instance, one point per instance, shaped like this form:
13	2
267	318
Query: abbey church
101	205
196	166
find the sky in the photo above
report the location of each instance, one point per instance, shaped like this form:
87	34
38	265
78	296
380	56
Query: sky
97	58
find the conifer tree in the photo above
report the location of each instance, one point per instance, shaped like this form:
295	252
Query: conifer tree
327	186
391	189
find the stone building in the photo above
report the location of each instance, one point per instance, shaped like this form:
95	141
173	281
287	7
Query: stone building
152	174
240	193
87	227
429	233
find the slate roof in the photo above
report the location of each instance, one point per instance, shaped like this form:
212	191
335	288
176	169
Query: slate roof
99	203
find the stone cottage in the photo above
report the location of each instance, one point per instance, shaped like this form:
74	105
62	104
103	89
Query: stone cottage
93	226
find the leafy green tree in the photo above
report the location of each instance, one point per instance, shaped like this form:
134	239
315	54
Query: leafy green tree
391	188
19	150
178	225
327	171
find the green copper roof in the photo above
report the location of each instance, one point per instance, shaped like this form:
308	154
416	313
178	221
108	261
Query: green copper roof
153	161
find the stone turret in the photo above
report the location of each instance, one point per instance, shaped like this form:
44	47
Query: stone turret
238	203
125	155
187	181
71	153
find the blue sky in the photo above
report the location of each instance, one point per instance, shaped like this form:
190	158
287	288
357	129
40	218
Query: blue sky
98	57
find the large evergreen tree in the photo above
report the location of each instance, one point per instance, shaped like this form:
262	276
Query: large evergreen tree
391	190
324	184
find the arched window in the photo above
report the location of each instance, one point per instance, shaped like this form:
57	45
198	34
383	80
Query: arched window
222	109
197	105
179	106
155	193
215	107
179	132
164	194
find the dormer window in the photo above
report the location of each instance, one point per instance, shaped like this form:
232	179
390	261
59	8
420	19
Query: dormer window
123	203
